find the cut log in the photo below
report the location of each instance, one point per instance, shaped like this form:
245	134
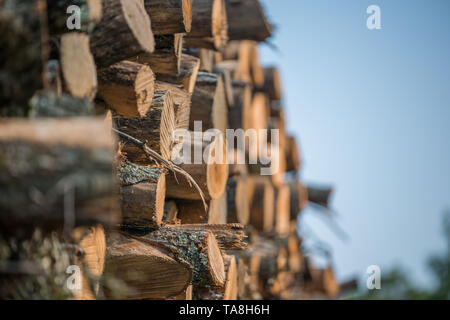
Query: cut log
292	154
155	128
199	248
128	19
246	20
210	172
209	24
127	88
209	103
142	193
237	163
21	55
56	172
206	57
169	16
239	112
46	104
187	76
261	197
237	200
275	165
92	243
282	210
185	295
319	195
295	260
90	15
182	103
229	236
77	65
166	58
193	211
272	83
147	270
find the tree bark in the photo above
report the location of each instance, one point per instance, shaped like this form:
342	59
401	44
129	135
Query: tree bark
55	172
46	104
166	58
261	197
169	16
128	19
182	103
187	76
147	270
246	20
319	195
155	128
298	198
292	154
282	210
142	193
239	112
127	88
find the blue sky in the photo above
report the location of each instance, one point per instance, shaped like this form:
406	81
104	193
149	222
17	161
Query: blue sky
371	110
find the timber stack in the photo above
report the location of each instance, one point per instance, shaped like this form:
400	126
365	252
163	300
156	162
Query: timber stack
90	177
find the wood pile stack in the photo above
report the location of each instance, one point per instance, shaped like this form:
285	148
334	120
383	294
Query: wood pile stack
88	141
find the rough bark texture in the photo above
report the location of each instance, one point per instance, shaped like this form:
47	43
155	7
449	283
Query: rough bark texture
169	16
246	20
128	19
155	128
127	88
55	172
49	104
147	270
142	193
187	76
166	58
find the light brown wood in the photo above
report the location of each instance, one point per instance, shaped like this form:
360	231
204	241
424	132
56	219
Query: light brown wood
77	66
155	128
128	19
272	83
187	76
127	88
185	295
239	113
146	270
142	192
209	103
55	151
166	58
298	198
182	103
169	16
210	172
292	154
231	283
246	20
238	202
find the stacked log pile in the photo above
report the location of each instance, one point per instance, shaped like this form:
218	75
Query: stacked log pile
92	161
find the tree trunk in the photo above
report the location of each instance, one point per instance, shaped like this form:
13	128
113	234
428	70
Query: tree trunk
238	203
155	128
182	103
142	193
127	88
166	58
193	211
210	174
209	103
209	24
128	19
55	172
187	76
169	16
199	248
246	20
147	270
